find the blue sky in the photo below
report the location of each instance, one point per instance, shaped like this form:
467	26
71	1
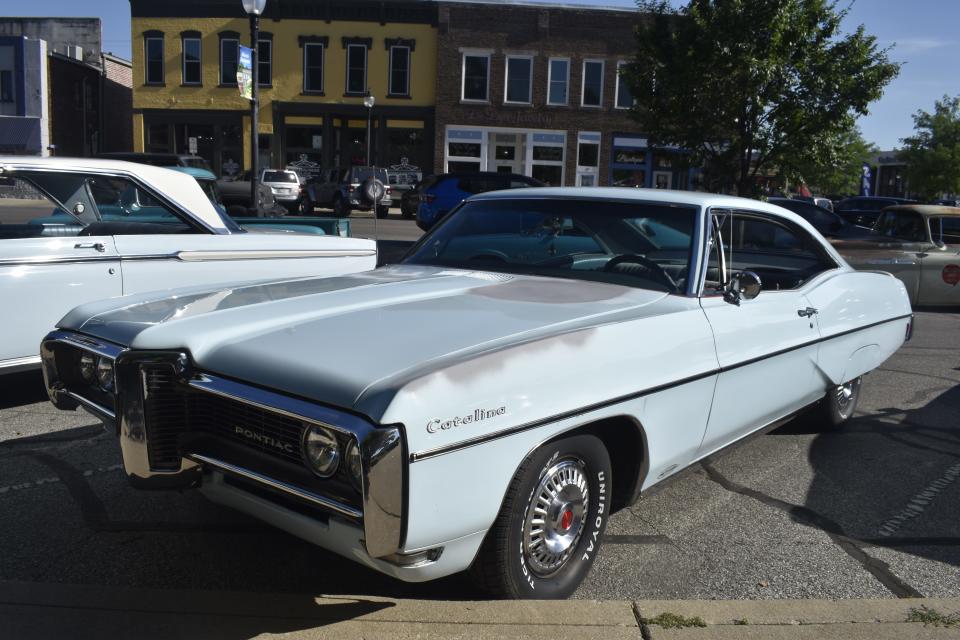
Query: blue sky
923	33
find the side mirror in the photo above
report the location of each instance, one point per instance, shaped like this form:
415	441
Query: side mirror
744	285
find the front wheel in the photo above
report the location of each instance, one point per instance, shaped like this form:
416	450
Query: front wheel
341	209
549	528
840	403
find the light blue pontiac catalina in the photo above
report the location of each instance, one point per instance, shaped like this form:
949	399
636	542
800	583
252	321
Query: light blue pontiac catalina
538	360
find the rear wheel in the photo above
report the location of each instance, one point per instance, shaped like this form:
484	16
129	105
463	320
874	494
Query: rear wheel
548	532
840	403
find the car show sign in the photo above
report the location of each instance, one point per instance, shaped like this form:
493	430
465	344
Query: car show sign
245	72
404	174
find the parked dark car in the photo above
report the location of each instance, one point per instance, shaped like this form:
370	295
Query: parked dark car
158	159
344	189
828	223
864	210
450	189
410	199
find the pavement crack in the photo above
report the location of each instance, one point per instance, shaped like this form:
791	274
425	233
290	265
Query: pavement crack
851	546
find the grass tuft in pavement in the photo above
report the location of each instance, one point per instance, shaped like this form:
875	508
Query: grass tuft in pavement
669	620
933	617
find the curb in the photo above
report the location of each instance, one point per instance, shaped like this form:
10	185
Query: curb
35	610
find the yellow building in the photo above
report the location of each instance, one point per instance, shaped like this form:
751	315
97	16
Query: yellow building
318	59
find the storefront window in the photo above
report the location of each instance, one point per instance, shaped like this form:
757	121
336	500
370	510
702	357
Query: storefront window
549	154
158	138
588	154
629	178
461	166
405	146
551	175
464	149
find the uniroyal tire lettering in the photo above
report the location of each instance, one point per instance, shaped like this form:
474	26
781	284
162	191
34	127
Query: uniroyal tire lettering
602	497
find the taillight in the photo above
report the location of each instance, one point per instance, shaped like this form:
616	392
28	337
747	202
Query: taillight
351	189
909	333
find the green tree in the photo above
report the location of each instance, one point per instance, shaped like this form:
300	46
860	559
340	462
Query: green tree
837	172
748	86
932	153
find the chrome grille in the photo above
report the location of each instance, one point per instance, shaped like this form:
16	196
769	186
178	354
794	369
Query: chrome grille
171	408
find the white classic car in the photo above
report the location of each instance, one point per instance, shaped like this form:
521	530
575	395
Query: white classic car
552	354
74	230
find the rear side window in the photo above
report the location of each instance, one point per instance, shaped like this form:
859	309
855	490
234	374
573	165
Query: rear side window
945	229
26	212
119	200
279	176
902	225
784	256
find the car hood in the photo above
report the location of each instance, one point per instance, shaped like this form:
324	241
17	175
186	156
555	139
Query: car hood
343	339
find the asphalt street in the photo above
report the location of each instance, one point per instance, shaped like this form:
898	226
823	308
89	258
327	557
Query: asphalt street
870	511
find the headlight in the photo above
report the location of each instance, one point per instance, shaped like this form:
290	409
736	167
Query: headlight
321	451
354	465
87	368
105	373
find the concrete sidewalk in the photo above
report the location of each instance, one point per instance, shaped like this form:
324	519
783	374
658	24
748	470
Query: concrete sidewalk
34	610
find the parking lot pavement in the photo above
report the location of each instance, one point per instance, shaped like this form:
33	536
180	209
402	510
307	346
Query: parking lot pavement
870	511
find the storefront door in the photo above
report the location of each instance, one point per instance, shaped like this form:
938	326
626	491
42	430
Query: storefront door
506	152
662	179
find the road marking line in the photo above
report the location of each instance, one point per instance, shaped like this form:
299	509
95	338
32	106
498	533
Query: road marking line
42	481
920	500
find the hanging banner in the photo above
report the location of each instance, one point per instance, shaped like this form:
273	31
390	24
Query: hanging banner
245	72
865	180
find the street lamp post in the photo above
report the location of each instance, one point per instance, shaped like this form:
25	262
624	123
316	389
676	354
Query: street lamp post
254	8
368	102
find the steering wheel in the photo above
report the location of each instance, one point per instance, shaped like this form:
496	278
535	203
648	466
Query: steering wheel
655	270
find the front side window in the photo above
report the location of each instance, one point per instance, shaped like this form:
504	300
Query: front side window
558	79
192	65
592	95
356	68
399	71
635	244
624	100
229	53
784	256
476	77
153	55
313	67
264	62
519	79
28	212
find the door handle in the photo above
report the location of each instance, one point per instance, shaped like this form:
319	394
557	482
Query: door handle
99	246
806	313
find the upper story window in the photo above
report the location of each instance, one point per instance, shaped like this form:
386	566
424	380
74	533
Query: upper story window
624	100
229	54
519	80
592	90
558	81
476	77
314	50
191	64
6	74
265	59
153	70
356	80
400	53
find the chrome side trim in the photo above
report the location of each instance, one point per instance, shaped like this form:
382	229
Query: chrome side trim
309	496
192	256
16	365
42	260
199	256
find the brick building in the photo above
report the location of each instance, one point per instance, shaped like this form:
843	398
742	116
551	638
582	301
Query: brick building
535	89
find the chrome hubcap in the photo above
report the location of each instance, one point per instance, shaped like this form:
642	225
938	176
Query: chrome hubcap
555	517
845	395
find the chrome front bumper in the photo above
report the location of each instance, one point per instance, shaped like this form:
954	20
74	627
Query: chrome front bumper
381	448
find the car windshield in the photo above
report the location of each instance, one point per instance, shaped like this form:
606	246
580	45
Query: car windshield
279	176
638	244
